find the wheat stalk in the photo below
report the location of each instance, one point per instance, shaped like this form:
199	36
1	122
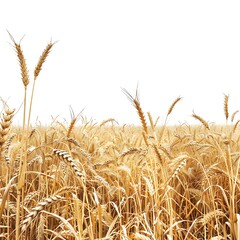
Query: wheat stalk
166	118
233	115
166	151
151	120
37	70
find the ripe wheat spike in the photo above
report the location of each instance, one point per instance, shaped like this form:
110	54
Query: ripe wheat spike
226	112
42	59
67	158
136	103
205	124
22	61
36	210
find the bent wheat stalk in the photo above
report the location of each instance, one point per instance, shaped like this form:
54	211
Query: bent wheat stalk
233	115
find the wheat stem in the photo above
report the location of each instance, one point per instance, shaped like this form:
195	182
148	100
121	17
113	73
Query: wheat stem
37	70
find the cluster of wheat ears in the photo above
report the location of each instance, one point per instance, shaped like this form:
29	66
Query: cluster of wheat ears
105	181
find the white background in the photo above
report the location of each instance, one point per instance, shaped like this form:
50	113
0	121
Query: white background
169	48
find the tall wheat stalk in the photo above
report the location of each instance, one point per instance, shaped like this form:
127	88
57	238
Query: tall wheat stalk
23	158
166	118
37	70
25	80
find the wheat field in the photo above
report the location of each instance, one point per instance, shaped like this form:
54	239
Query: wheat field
83	180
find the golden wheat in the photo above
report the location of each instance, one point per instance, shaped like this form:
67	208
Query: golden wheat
94	181
136	103
42	59
63	155
205	124
226	112
36	210
22	61
173	105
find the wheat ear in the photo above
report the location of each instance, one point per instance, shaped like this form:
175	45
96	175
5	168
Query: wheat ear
235	126
73	121
166	118
205	124
149	184
37	70
40	206
226	98
22	61
42	59
212	215
24	73
233	116
112	120
8	143
5	126
173	105
82	151
136	103
180	166
71	126
157	153
131	151
65	156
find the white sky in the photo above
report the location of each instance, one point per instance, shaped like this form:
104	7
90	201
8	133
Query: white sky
170	48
